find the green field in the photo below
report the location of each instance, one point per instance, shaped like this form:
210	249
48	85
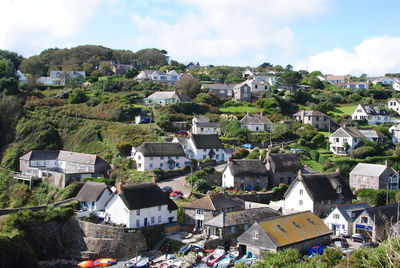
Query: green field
239	109
345	109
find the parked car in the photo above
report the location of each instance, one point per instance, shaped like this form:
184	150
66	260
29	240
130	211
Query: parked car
369	245
167	189
359	238
340	242
182	132
176	194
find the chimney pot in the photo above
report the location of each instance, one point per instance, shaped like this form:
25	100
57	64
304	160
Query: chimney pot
387	163
118	187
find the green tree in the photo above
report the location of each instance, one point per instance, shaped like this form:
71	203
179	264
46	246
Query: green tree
290	79
189	86
77	96
131	73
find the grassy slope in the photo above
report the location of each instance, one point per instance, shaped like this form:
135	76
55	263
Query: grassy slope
347	109
239	109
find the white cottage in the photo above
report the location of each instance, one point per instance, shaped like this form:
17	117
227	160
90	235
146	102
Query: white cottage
164	155
394	104
93	196
373	115
140	205
344	140
395	131
341	219
256	123
202	125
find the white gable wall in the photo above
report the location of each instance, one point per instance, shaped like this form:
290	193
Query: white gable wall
117	212
294	196
227	178
339	226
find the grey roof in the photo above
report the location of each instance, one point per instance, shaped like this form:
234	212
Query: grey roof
383	214
162	95
366	169
217	86
310	113
348	209
205	141
208	124
350	131
161	149
248	216
370	133
145	195
247	167
68	156
283	162
255	119
373	110
92	191
323	186
216	202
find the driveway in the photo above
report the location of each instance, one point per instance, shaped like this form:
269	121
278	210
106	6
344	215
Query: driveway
179	183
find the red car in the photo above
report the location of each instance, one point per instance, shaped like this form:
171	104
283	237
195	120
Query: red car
176	194
182	132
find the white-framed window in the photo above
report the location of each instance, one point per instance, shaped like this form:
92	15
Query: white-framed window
301	191
336	216
151	165
152	220
255	235
138	212
300	203
159	208
199	211
159	218
137	223
161	165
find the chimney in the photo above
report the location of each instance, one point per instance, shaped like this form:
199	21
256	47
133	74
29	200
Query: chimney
300	175
387	163
338	170
303	112
229	160
118	187
261	113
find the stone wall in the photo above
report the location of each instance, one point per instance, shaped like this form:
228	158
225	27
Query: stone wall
263	198
36	208
76	239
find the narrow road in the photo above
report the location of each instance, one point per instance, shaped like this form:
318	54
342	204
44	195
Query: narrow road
180	184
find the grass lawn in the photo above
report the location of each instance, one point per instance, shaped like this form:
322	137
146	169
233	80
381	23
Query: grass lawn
326	133
314	165
347	109
239	109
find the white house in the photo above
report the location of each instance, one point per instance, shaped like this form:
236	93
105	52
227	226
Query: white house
256	123
373	115
395	131
257	86
344	140
318	193
341	219
354	85
61	77
93	196
394	104
396	85
202	125
384	80
336	79
165	97
140	205
164	155
203	146
21	77
245	175
159	76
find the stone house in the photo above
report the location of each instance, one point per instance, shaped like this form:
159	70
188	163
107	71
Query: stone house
245	175
120	69
223	91
242	92
341	219
202	125
318	193
372	114
316	119
209	206
256	123
376	223
164	155
282	168
374	176
140	205
299	231
234	223
59	168
93	196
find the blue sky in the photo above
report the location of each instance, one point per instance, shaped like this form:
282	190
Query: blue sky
335	36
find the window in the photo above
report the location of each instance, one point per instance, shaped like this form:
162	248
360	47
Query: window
317	118
152	220
139	165
364	219
137	223
161	165
336	216
280	228
343	226
336	139
151	158
339	190
199	211
138	212
295	224
204	150
159	218
177	158
233	229
159	208
301	203
301	191
177	165
255	235
151	165
161	157
311	221
246	226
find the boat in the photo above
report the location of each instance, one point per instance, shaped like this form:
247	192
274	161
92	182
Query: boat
132	262
142	263
246	260
214	257
86	264
185	249
104	262
228	259
162	258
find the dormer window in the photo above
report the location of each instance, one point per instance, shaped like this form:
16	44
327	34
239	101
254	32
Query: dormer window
255	235
339	190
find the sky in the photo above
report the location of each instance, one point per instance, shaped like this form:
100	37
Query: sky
334	36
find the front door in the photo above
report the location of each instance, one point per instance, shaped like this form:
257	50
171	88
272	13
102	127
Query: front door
199	224
145	222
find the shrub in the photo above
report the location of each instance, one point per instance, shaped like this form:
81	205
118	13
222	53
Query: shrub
314	155
77	96
332	256
124	148
363	151
240	154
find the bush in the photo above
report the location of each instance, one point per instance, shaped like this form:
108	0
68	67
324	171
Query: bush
363	152
332	256
124	148
240	154
77	96
314	155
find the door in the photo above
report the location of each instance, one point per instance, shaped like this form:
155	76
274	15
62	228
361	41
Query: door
145	222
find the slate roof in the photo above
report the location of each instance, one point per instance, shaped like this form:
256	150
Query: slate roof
161	149
162	95
247	167
336	77
205	141
68	156
255	119
145	195
373	110
283	162
217	86
208	124
370	133
383	214
184	97
294	228
351	131
91	191
323	186
216	202
366	169
310	113
248	216
347	210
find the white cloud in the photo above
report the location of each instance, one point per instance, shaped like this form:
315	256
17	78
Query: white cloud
373	56
34	25
227	28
